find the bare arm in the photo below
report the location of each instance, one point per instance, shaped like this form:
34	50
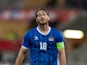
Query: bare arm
62	56
20	57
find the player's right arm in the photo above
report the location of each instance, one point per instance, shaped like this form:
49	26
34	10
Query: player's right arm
25	45
21	56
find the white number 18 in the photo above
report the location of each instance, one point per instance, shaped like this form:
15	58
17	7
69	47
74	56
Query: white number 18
43	46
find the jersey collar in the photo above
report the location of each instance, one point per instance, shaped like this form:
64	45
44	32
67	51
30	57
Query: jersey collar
42	32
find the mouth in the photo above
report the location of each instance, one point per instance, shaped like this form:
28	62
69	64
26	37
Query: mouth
42	19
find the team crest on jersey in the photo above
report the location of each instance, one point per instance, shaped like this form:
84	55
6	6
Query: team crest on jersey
36	38
51	38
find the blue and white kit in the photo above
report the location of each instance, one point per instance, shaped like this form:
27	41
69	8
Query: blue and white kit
43	47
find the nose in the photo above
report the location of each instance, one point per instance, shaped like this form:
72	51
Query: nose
42	16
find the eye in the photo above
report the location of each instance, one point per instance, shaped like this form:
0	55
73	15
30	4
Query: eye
39	15
44	14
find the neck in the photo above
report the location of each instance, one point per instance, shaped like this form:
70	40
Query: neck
43	27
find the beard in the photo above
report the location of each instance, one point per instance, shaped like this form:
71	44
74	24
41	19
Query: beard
43	23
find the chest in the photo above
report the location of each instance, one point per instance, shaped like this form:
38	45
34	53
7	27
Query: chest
43	42
43	39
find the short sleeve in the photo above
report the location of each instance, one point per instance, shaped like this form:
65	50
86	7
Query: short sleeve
26	41
60	40
59	37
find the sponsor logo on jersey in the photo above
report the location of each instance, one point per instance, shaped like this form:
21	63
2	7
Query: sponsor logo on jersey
51	38
36	38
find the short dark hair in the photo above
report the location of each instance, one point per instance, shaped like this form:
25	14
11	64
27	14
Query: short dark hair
43	9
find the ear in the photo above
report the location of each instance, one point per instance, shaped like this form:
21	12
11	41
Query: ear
36	20
48	18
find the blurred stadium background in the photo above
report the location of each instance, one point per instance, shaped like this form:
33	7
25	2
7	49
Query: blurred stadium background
18	16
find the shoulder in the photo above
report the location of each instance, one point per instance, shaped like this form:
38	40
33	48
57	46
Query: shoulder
55	30
32	30
58	35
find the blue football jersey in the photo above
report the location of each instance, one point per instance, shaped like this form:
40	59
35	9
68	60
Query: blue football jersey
43	50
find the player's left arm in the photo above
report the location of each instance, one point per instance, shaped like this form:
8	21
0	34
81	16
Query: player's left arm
61	50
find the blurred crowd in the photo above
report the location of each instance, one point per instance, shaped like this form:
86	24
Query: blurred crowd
43	3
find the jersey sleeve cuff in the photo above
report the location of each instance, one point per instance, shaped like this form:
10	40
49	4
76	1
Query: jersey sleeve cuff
24	47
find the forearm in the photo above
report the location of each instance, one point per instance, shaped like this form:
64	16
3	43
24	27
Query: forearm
62	58
20	57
